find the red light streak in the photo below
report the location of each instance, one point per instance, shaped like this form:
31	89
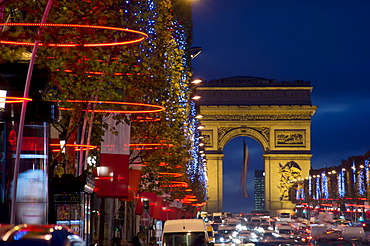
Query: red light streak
109	178
157	108
152	144
144	35
175	175
101	73
83	147
176	184
143	119
14	99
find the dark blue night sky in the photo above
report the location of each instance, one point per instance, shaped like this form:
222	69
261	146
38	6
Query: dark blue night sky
325	42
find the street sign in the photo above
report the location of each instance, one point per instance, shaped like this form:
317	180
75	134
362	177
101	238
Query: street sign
145	219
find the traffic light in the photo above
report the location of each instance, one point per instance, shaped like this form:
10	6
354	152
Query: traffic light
121	212
146	204
116	224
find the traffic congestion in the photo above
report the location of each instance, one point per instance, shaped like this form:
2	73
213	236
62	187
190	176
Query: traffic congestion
284	229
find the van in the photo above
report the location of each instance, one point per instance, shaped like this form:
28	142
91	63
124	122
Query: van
318	232
355	232
185	232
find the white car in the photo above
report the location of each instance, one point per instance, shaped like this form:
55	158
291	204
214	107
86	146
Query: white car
247	236
286	233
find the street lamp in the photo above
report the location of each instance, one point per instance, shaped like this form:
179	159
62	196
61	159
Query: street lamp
3	94
196	81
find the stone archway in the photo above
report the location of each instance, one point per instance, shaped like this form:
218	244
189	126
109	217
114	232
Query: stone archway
277	115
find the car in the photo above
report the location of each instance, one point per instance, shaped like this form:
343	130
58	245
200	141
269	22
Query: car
221	239
39	235
286	233
270	236
247	236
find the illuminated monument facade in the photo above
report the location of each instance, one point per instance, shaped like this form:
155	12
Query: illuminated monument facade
276	114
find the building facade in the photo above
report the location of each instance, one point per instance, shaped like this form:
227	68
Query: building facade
259	190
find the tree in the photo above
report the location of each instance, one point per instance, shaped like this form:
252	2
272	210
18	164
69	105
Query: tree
155	71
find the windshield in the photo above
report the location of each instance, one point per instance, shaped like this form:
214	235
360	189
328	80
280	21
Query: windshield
285	231
285	215
183	239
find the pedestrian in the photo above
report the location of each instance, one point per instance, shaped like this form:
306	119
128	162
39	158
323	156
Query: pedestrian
139	239
200	241
153	241
142	238
116	241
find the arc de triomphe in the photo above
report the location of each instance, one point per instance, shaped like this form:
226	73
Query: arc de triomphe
276	114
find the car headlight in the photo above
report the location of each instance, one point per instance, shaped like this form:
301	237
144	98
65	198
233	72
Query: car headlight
236	240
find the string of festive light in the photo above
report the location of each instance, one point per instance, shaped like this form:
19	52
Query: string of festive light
157	108
100	73
341	184
300	192
77	146
144	35
324	186
361	182
318	190
367	171
354	172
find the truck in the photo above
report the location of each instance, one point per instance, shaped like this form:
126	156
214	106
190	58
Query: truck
185	232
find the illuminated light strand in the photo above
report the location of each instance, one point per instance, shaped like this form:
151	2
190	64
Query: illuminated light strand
300	192
367	171
157	107
14	99
176	184
317	190
175	175
144	119
75	26
86	59
152	144
324	186
342	190
109	178
83	147
144	148
361	184
101	73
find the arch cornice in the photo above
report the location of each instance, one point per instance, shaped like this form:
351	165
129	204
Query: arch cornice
287	156
260	134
